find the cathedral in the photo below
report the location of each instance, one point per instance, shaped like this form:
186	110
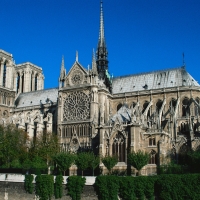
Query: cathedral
158	112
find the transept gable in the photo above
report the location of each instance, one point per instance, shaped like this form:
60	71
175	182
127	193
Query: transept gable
76	75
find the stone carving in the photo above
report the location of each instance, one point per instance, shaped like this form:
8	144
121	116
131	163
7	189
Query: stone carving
76	106
77	77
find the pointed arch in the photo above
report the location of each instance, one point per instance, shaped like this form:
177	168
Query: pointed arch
119	146
196	107
153	157
158	105
119	106
4	74
145	105
36	82
18	83
172	104
185	107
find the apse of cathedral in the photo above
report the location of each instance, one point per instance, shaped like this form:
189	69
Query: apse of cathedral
158	112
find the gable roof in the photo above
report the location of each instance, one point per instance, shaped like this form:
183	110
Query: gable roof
176	77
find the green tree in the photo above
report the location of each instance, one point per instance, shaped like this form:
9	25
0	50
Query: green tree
46	147
138	159
64	160
93	161
13	146
82	161
109	162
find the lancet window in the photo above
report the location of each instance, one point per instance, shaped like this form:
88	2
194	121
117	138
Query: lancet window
196	108
158	106
18	83
145	105
119	106
172	105
36	82
185	107
118	147
152	157
4	75
22	89
81	130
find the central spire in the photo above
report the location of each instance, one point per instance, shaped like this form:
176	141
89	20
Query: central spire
101	30
102	54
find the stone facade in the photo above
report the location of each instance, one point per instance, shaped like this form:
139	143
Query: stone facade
157	112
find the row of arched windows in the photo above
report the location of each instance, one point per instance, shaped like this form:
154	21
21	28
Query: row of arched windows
20	83
81	130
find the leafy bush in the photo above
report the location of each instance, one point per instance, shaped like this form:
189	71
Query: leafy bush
44	188
75	186
138	159
64	160
58	189
93	161
82	161
28	183
109	162
107	187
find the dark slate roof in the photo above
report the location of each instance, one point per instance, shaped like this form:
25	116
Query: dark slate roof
37	98
176	77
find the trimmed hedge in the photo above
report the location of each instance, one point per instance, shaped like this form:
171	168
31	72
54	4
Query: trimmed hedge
164	187
75	186
28	183
44	187
58	189
107	187
178	187
132	188
128	188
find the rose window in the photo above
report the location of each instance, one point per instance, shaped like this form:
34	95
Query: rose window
76	106
77	77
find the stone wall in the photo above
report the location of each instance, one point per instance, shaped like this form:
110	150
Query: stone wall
15	191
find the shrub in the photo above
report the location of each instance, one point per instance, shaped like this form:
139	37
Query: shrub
75	186
172	168
127	188
44	188
109	162
107	187
178	187
28	183
58	189
64	160
82	161
138	159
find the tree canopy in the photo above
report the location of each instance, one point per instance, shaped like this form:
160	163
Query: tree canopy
138	159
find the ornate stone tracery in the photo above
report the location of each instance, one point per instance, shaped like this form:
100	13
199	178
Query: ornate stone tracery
76	106
77	77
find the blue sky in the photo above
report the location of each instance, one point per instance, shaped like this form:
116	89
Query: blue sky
141	35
